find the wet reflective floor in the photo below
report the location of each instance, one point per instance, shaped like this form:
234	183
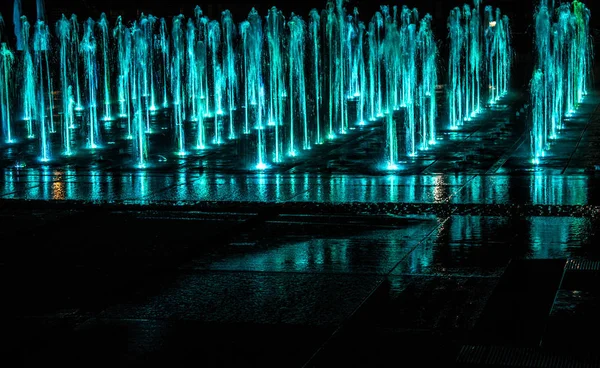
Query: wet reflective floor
492	264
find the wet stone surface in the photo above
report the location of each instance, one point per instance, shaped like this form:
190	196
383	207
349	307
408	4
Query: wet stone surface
467	256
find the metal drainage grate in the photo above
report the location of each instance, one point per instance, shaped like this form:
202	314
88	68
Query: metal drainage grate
499	356
582	265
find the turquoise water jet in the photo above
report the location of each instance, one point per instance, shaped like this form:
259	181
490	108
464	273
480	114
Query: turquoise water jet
88	50
27	80
63	31
177	83
562	72
6	63
229	67
40	48
103	25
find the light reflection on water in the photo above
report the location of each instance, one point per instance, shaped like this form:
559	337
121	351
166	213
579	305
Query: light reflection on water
145	186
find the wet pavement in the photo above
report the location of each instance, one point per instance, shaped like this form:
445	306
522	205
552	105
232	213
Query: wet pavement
467	257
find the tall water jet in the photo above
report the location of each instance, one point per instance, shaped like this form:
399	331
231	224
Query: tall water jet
164	52
252	43
121	34
563	66
427	54
143	54
202	26
139	69
341	65
149	81
214	37
409	78
88	50
474	61
391	131
330	27
362	76
455	72
275	23
74	56
63	31
28	80
499	53
17	13
314	32
6	63
40	9
104	36
177	87
229	75
297	83
193	82
538	101
374	65
41	47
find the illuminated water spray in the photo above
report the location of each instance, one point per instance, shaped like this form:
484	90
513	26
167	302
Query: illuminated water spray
465	61
562	73
229	71
164	52
177	83
427	55
275	37
192	82
298	126
408	76
139	69
314	30
74	59
88	51
63	31
362	88
498	53
6	63
375	62
41	47
214	39
330	26
103	25
27	80
252	43
147	24
123	39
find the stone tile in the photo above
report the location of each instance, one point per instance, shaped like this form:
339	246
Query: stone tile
249	297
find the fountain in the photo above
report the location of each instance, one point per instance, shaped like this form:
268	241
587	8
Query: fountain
103	25
28	80
499	53
229	71
6	62
314	30
63	31
465	61
275	21
427	55
40	48
562	73
214	39
75	50
177	84
300	82
141	120
88	50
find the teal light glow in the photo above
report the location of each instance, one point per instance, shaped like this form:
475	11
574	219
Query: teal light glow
563	71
